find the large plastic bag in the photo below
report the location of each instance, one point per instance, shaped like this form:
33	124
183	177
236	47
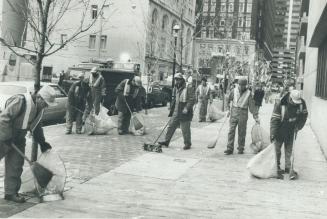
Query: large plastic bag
260	138
214	113
99	124
264	164
137	126
52	161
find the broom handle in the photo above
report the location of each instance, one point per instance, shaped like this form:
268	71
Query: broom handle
162	131
128	106
21	153
294	138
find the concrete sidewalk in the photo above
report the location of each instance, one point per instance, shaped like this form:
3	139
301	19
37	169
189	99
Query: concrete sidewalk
199	183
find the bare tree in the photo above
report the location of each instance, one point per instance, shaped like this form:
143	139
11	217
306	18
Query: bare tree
42	19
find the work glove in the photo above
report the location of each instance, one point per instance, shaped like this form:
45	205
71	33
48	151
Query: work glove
45	147
257	120
272	138
184	111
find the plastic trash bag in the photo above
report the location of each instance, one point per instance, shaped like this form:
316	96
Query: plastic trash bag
260	138
214	113
52	161
99	124
136	126
264	164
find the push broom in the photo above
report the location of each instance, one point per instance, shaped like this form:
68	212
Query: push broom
137	124
40	173
213	143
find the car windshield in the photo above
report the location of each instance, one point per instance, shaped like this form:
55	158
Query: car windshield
12	89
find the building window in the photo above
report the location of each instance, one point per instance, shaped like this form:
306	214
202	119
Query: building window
223	7
63	38
92	41
222	23
103	42
249	8
241	7
231	7
240	22
94	11
321	81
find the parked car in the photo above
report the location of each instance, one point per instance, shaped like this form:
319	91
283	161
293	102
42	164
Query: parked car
52	113
156	96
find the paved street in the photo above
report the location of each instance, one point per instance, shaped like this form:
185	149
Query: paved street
184	184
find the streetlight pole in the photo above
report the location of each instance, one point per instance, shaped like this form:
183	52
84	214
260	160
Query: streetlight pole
176	28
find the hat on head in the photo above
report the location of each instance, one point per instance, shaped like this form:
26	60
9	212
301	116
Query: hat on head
179	76
80	75
48	94
94	70
138	81
243	81
295	95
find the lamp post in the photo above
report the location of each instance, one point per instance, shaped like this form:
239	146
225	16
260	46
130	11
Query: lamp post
176	29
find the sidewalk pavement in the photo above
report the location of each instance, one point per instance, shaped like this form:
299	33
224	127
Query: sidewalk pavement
199	183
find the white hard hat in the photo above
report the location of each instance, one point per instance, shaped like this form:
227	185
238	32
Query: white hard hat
48	94
179	76
296	96
94	70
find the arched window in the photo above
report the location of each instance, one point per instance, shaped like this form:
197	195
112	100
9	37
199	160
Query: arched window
164	22
154	18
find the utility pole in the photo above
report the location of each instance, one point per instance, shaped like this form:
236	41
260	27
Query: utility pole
182	31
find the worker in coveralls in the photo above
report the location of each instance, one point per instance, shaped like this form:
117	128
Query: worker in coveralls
128	92
98	89
289	115
203	94
242	101
22	113
78	97
181	112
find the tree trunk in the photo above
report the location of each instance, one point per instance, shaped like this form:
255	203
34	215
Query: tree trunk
37	76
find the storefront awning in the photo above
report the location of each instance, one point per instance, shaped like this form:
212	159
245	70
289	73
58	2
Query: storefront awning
320	33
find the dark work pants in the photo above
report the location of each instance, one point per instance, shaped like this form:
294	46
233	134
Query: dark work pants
287	140
174	123
71	116
124	121
238	118
13	162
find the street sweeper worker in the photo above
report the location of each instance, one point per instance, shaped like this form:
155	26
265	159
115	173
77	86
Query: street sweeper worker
204	96
181	112
128	92
22	113
78	98
240	101
98	89
289	116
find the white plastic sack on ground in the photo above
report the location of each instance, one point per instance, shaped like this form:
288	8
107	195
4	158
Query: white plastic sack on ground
214	113
54	163
99	124
260	139
140	131
264	164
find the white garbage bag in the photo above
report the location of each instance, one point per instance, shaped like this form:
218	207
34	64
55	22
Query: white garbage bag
260	139
99	124
214	113
264	164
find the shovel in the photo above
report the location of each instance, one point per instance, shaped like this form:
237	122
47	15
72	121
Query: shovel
40	173
213	143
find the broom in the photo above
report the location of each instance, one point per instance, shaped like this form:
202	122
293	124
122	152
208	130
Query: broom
41	174
213	143
136	122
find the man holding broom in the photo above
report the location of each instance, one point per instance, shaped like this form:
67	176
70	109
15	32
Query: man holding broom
181	112
23	112
129	99
289	116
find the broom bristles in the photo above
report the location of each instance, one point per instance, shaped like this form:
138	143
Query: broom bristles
41	174
137	124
